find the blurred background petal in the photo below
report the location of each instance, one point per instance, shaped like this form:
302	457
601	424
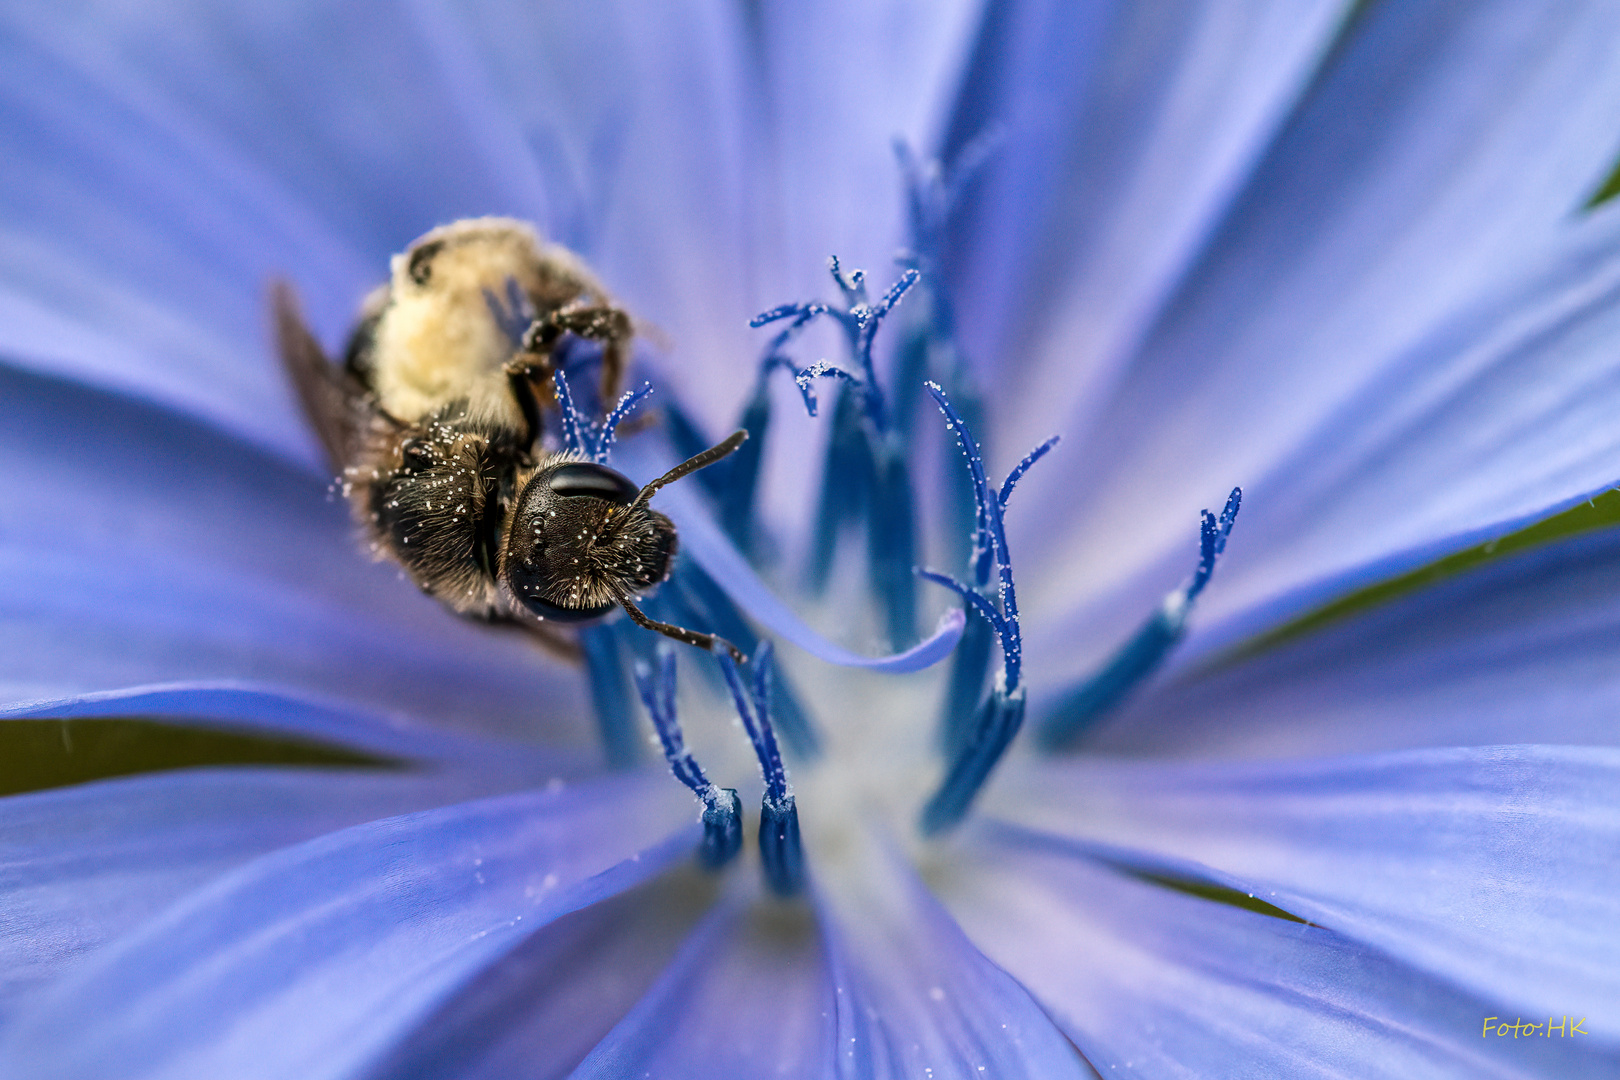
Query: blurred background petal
350	940
1174	984
1488	868
1440	158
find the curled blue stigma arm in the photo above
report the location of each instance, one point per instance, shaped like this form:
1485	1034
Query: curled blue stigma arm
573	428
1103	691
1022	467
609	427
975	753
989	509
860	321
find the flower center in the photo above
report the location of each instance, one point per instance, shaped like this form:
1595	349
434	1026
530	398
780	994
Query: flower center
885	765
880	769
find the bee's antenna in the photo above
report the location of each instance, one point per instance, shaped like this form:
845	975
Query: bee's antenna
706	642
692	465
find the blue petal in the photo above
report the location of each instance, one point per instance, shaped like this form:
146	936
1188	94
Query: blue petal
748	995
1489	868
1152	981
236	706
163	164
708	544
1125	135
82	865
1419	211
314	961
1496	419
542	1008
142	228
838	84
915	998
1521	650
642	121
154	550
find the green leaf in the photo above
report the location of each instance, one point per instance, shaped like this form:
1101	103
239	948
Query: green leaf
45	753
1597	513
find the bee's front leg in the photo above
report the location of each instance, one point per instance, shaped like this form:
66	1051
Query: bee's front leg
598	322
524	372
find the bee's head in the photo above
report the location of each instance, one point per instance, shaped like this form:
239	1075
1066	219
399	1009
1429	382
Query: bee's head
579	542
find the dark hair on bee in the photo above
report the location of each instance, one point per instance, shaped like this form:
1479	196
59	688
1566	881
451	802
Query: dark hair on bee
582	540
434	419
435	502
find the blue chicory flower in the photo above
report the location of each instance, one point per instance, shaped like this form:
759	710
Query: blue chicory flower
1340	254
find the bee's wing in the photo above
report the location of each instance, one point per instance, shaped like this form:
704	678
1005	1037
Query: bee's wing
335	403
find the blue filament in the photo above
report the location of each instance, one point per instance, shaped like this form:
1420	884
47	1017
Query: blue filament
890	542
756	721
970	663
740	485
1141	655
722	808
933	193
780	849
605	656
975	748
846	479
994	728
866	480
934	190
692	598
865	476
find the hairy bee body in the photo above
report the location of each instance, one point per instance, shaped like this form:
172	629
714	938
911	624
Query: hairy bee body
436	502
434	336
433	421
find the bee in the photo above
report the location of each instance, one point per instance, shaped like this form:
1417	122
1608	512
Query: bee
433	422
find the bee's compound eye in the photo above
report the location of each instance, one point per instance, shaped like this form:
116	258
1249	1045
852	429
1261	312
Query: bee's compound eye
597	481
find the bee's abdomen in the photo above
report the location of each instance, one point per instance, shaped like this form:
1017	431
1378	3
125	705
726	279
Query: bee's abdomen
433	506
